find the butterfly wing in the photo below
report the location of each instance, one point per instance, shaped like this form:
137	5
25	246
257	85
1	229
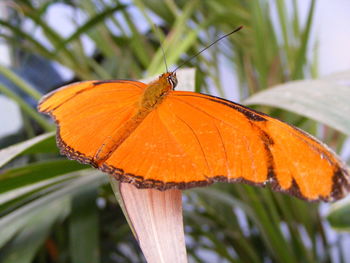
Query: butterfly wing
194	139
88	113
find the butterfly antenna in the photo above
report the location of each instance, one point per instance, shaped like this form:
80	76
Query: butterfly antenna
166	65
159	36
204	49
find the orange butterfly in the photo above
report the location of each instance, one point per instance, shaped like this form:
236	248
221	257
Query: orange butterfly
155	137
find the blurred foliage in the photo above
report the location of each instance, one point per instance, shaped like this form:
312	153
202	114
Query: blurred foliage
55	210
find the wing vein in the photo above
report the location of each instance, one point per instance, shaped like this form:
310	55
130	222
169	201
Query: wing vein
224	148
195	135
210	115
245	141
294	131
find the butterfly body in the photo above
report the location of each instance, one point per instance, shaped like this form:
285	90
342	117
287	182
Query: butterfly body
157	91
152	96
155	137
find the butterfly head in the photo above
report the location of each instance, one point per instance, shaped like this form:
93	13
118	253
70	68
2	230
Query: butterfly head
171	79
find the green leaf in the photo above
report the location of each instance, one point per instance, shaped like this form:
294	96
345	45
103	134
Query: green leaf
22	194
88	25
33	173
83	227
323	100
177	42
20	83
52	35
13	151
16	31
339	216
48	145
301	55
26	108
32	234
13	222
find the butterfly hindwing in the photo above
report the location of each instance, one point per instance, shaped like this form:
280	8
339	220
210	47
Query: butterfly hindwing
295	162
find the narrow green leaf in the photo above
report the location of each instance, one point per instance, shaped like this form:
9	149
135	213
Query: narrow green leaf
101	35
21	195
20	83
160	8
35	172
259	34
48	145
270	231
89	24
282	13
174	39
296	20
301	55
32	234
27	37
54	37
13	222
26	108
13	151
100	71
139	45
83	227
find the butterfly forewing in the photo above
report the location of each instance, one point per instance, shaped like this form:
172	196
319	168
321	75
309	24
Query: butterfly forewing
89	113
